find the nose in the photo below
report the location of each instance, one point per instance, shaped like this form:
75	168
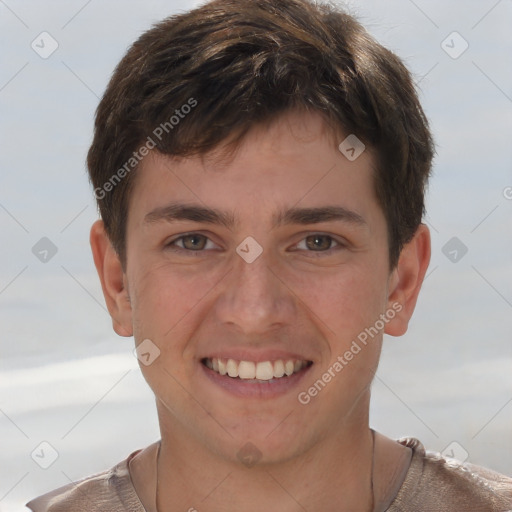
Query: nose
254	297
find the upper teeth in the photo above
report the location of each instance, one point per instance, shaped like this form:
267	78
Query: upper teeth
265	370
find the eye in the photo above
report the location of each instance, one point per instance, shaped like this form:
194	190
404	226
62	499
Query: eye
318	243
196	242
190	242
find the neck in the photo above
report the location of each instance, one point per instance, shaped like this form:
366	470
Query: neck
335	475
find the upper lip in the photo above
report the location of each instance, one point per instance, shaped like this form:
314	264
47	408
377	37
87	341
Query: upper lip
256	356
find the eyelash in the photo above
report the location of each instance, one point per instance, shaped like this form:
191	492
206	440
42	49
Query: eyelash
171	245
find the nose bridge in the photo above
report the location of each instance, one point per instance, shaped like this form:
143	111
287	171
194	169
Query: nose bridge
253	298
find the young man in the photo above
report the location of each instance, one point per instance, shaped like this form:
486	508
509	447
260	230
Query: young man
260	168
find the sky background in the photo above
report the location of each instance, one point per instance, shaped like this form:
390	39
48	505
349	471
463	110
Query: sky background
69	380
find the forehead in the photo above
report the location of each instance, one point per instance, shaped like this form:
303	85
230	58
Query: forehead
293	161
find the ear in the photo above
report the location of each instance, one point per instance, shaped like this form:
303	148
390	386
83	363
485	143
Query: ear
406	279
113	280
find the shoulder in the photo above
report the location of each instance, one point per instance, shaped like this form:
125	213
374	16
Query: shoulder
439	483
110	490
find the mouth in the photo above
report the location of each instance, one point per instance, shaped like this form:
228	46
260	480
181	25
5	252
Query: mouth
264	371
263	379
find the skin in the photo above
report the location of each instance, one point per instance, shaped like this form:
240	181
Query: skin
299	295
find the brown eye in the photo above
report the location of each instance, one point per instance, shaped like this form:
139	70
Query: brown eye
194	242
319	242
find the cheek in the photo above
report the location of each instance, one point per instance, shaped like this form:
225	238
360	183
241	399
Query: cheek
165	298
165	306
346	301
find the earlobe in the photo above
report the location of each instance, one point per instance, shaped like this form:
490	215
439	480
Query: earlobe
113	280
406	279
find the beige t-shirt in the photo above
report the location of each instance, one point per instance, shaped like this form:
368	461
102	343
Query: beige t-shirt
431	484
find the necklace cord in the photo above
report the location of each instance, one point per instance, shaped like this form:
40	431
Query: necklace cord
372	509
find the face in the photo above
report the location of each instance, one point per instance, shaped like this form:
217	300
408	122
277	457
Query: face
271	262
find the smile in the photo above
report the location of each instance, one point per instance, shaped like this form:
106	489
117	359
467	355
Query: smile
263	371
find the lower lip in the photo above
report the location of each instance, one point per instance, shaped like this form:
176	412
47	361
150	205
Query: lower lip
244	388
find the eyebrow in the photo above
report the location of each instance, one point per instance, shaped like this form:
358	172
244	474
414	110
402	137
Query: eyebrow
196	213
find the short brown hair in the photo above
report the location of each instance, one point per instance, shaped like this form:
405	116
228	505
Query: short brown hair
238	63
